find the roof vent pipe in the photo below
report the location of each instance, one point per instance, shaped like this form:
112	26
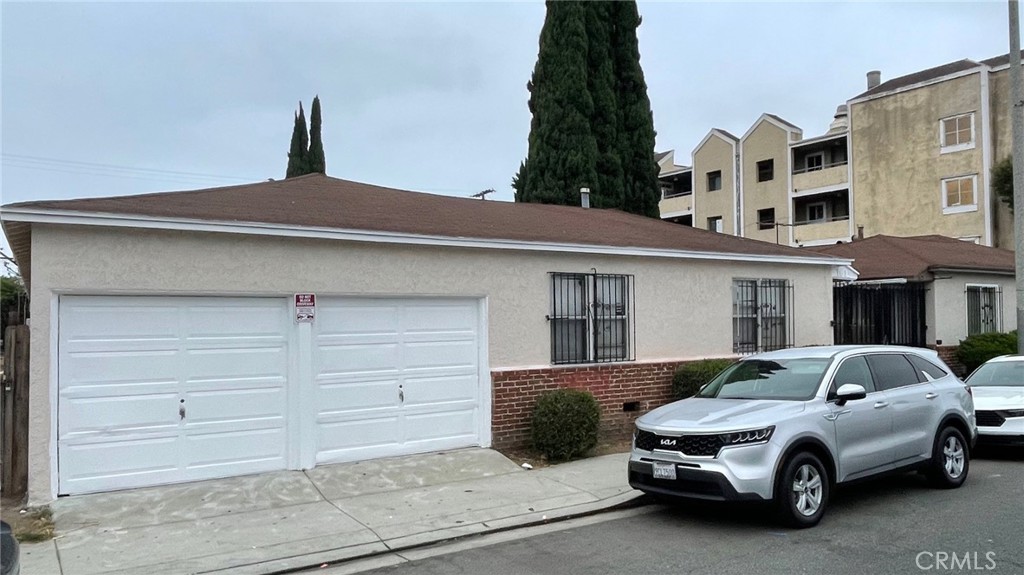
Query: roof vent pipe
860	232
585	197
874	79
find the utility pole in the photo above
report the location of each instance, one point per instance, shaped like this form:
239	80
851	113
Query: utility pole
1017	113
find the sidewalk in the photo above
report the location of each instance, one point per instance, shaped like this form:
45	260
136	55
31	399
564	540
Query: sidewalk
291	519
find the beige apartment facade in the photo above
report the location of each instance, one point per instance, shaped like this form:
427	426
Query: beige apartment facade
910	156
715	185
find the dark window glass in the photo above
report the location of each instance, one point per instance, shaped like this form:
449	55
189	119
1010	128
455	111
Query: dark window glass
853	370
892	370
766	219
715	180
765	170
922	364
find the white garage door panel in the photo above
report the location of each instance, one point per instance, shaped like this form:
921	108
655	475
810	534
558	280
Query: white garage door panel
396	376
227	358
342	398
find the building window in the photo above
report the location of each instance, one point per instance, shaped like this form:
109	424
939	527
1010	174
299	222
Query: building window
715	224
958	195
714	180
591	318
814	162
762	319
766	219
984	309
816	212
956	133
765	170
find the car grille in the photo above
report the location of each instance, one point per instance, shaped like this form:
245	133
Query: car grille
989	418
699	445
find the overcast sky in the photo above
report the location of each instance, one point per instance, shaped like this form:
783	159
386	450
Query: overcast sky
108	99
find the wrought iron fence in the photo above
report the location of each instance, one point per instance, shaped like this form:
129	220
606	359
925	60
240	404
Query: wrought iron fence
880	314
592	318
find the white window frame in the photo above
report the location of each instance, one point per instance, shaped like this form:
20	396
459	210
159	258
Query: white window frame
820	166
962	208
590	294
945	148
824	212
997	312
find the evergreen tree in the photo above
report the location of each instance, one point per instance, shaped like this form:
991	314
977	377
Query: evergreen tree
563	151
635	119
297	163
315	161
519	181
609	190
591	118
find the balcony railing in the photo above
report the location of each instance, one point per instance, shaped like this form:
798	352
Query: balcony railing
823	221
666	195
821	167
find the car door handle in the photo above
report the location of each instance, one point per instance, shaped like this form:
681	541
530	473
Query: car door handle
931	395
881	404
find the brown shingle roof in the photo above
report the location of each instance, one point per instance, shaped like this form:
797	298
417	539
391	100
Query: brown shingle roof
1000	60
885	257
323	202
918	77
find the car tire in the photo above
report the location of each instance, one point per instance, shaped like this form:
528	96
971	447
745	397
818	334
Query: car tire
802	491
951	459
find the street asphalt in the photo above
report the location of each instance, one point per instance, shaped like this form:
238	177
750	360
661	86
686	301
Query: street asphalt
889	526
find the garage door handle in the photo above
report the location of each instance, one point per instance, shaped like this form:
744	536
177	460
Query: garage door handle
401	396
181	411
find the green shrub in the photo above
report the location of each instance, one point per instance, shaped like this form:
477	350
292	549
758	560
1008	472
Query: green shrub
565	424
689	377
977	349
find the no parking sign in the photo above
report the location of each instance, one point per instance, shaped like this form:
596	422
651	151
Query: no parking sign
305	307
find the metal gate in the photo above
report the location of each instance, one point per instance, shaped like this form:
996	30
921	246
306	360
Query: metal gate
880	314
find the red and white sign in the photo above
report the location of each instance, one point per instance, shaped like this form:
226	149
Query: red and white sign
305	307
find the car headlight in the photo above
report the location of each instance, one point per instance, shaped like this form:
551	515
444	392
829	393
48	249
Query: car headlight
1012	413
748	437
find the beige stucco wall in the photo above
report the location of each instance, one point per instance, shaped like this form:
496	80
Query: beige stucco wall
950	301
683	307
897	166
766	141
715	154
833	176
1002	146
674	205
824	231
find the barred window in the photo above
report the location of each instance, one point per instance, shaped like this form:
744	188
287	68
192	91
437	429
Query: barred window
984	309
762	315
591	318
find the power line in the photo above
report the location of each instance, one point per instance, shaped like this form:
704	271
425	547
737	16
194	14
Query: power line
101	169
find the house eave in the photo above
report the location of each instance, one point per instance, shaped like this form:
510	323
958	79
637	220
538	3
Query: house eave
63	217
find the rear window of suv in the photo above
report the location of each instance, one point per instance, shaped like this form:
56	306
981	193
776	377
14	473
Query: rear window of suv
892	370
928	368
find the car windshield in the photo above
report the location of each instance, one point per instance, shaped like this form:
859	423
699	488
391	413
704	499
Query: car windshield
787	379
998	374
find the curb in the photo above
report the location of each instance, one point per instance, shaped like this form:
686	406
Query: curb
344	555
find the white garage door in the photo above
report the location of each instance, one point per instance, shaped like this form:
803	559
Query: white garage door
396	376
159	390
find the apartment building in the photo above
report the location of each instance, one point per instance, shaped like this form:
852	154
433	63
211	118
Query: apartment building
909	156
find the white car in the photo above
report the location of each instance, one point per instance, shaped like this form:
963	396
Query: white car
998	388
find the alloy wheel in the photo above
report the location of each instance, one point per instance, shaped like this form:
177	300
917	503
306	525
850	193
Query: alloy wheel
807	490
953	457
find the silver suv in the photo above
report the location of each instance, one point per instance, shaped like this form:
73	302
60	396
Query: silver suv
787	426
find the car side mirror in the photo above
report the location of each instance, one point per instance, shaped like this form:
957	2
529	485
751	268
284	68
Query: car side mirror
850	391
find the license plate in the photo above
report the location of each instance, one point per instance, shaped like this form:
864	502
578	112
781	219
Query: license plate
664	470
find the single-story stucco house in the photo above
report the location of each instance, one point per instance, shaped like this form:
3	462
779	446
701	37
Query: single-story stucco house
961	289
285	324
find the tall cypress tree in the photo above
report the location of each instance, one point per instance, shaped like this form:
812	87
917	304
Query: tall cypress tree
315	161
297	163
635	119
591	118
563	151
609	191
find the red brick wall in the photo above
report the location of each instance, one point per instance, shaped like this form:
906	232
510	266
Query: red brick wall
947	353
515	393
